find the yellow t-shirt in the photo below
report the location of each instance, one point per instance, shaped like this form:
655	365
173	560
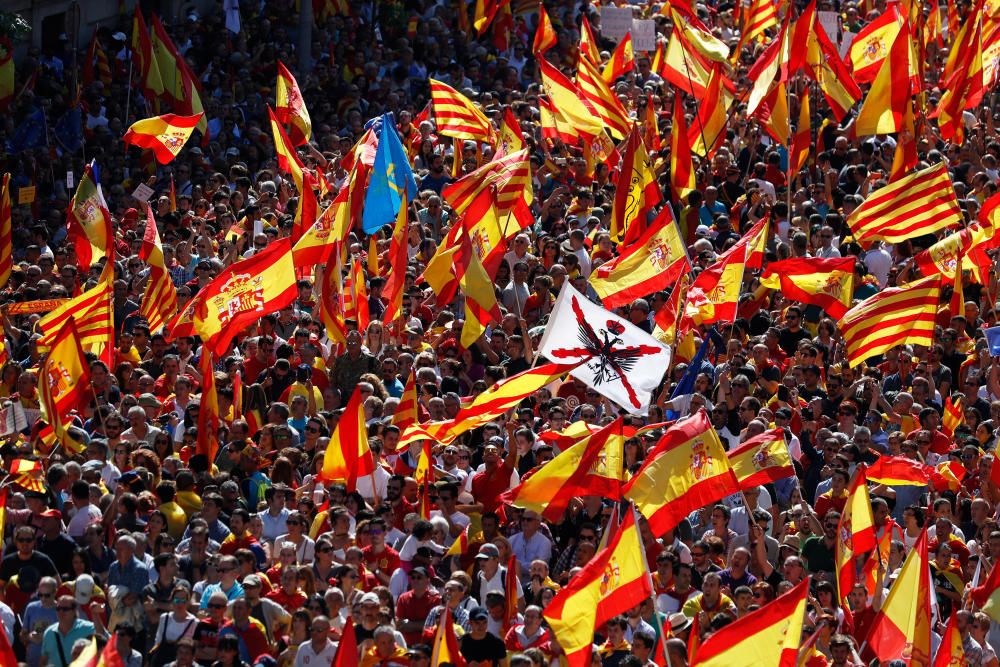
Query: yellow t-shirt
176	519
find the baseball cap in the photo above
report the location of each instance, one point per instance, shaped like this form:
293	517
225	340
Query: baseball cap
478	614
370	598
487	551
83	591
149	401
51	514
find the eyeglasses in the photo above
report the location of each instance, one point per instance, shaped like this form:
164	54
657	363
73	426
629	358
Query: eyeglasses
216	605
25	540
698	554
179	600
67	609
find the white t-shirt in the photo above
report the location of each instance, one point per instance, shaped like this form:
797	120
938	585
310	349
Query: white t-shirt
307	657
83	518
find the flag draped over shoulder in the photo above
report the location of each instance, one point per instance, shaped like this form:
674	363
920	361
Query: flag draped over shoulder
616	579
768	637
687	469
894	316
164	135
348	456
827	283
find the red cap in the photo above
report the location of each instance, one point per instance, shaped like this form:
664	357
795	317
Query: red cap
51	514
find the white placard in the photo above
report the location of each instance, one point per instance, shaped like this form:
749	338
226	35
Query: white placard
258	228
69	180
142	193
616	22
643	35
845	44
831	24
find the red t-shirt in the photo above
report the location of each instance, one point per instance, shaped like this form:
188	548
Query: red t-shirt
487	486
288	601
413	608
387	561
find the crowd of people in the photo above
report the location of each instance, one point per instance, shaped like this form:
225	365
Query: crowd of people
252	559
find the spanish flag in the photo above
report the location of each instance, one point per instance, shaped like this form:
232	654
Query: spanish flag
903	625
406	411
288	159
568	103
6	73
320	239
762	459
397	260
159	301
632	203
698	36
445	647
827	283
615	579
91	657
622	60
709	127
904	159
239	296
347	456
885	104
145	62
545	34
209	420
951	651
331	303
687	469
88	220
987	595
682	175
856	532
63	383
871	45
588	44
768	637
894	316
715	293
347	648
290	108
356	296
897	471
801	140
650	264
6	233
480	298
424	476
592	466
511	138
165	135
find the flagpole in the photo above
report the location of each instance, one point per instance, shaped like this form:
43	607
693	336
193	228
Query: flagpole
652	588
128	93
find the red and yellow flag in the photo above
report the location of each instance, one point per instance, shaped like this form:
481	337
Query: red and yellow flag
331	303
762	16
88	221
92	657
480	298
827	283
802	139
159	301
954	415
897	471
568	102
588	44
290	108
92	313
709	127
406	412
457	117
397	260
164	135
872	44
6	73
885	104
592	466
615	580
715	293
987	595
687	469
288	159
622	60
904	159
762	459
445	647
209	419
951	652
545	34
6	233
856	532
903	625
356	296
239	296
651	263
632	203
320	239
602	100
63	383
348	457
146	63
768	637
682	176
894	316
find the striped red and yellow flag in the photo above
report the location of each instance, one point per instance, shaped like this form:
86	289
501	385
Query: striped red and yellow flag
545	34
839	88
63	383
856	532
762	16
827	283
6	233
457	117
445	647
396	261
209	419
424	477
687	469
622	60
904	159
406	412
511	138
511	176
762	459
951	651
347	456
962	78
356	296
871	45
288	159
632	203
164	135
921	203
894	316
159	301
685	68
320	240
682	176
588	44
290	108
92	312
602	100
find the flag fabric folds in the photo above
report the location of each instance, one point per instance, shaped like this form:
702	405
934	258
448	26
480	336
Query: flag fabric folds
921	203
897	471
986	596
63	383
290	108
885	104
456	116
348	456
164	135
827	283
445	647
762	459
613	356
159	301
391	178
682	176
855	533
567	101
687	469
545	34
637	193
88	220
92	312
894	316
621	61
209	419
616	579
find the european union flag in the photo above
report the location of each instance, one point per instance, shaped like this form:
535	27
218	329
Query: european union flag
69	129
32	133
686	385
993	340
391	176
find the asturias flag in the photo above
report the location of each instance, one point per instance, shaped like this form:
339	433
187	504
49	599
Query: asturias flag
390	178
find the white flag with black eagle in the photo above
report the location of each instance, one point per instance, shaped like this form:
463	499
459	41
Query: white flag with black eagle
617	358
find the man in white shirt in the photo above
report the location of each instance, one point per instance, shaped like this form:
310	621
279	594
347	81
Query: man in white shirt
320	650
276	513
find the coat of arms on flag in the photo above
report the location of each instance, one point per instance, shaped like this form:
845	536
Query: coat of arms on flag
242	293
617	359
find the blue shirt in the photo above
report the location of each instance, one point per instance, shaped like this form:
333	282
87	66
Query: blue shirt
134	575
53	639
235	592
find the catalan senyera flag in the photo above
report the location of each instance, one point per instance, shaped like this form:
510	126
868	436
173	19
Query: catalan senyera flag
616	579
682	176
687	469
762	16
897	471
894	316
348	457
145	62
986	596
885	104
903	625
240	295
290	108
768	637
592	466
63	382
445	647
88	220
921	203
164	135
568	102
951	651
709	126
632	203
209	419
511	176
622	60
856	532
762	459
6	233
602	99
457	117
6	73
288	159
650	264
588	44
406	412
92	313
801	140
827	283
545	34
159	301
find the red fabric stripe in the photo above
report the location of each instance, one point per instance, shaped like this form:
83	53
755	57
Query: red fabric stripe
672	512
